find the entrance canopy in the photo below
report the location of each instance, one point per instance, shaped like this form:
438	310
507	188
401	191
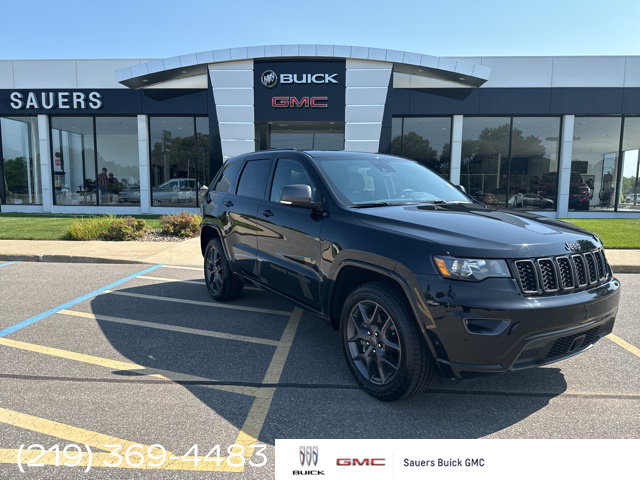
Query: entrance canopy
184	66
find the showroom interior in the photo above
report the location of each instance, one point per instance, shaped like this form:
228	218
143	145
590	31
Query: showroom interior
558	136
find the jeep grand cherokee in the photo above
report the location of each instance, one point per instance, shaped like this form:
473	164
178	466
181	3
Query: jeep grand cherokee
418	277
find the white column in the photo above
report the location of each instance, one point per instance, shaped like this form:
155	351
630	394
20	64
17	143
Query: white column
456	149
44	144
365	96
564	168
143	162
232	85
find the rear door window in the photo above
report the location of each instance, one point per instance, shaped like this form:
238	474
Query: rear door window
254	177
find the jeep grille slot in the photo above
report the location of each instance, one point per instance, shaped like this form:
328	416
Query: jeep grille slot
527	276
591	267
581	270
549	281
539	276
566	274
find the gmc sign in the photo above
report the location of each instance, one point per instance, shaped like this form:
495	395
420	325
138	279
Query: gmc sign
355	462
302	102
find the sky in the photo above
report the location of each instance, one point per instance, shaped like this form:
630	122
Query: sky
41	29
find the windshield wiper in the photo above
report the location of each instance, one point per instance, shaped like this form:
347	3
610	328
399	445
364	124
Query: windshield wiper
372	204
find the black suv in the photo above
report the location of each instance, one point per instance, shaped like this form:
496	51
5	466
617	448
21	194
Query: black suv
418	277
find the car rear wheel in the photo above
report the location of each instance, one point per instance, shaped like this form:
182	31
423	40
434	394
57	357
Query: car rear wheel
382	343
222	283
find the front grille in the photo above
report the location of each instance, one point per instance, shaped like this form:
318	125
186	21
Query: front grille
541	276
562	345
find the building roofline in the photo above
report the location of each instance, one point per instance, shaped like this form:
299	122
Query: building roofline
172	68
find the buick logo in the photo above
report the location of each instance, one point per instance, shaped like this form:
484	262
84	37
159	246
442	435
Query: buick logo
269	79
308	455
572	247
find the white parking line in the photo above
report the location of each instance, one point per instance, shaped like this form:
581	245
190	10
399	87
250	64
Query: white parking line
182	268
200	283
198	302
173	328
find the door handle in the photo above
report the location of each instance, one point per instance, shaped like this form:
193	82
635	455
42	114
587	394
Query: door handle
267	213
228	203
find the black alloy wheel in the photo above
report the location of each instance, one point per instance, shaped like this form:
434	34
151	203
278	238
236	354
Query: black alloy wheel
222	283
382	343
373	342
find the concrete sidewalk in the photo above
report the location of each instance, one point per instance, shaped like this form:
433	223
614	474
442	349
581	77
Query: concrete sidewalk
185	253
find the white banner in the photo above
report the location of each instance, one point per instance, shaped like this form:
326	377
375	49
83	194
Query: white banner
455	459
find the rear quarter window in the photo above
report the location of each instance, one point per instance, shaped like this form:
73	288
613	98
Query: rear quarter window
228	178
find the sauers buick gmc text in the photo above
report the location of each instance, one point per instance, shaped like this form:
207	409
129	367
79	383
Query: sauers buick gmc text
418	277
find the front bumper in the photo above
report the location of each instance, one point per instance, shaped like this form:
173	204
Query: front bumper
490	327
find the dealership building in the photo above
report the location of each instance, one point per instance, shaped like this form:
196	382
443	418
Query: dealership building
555	135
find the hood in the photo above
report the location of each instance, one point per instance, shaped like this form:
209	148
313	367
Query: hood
471	230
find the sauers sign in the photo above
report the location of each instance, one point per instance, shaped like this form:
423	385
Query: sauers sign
303	91
55	100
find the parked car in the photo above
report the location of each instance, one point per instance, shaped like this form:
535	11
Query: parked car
176	190
579	192
535	200
417	277
632	198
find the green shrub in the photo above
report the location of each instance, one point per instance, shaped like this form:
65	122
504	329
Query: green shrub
127	228
89	228
183	224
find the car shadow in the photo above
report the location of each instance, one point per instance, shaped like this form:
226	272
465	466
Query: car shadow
316	396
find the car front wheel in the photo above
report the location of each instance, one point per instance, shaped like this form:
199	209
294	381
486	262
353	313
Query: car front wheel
222	283
382	343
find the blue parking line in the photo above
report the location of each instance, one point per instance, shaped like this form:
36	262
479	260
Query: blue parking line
6	264
29	321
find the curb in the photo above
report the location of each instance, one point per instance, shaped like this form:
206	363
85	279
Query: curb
625	268
63	259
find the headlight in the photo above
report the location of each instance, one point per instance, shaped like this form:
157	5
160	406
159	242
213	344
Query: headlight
470	268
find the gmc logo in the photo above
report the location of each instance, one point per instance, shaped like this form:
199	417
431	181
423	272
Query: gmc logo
302	102
355	462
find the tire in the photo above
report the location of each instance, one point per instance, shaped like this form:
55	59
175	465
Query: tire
401	340
222	283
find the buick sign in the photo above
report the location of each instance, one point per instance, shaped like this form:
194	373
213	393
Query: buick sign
269	79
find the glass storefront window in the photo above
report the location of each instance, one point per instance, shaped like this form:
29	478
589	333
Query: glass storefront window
630	190
202	149
21	161
118	166
594	163
511	162
485	153
179	161
424	139
533	169
74	162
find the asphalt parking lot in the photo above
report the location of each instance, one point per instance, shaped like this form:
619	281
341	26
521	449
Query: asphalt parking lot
133	356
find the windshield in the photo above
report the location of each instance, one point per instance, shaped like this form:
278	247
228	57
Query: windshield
377	179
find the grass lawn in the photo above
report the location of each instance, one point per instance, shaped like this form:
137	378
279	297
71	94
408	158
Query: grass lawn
614	232
42	226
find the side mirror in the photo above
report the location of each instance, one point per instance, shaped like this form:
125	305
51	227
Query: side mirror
298	196
461	188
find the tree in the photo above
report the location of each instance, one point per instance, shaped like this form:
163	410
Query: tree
16	175
416	147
